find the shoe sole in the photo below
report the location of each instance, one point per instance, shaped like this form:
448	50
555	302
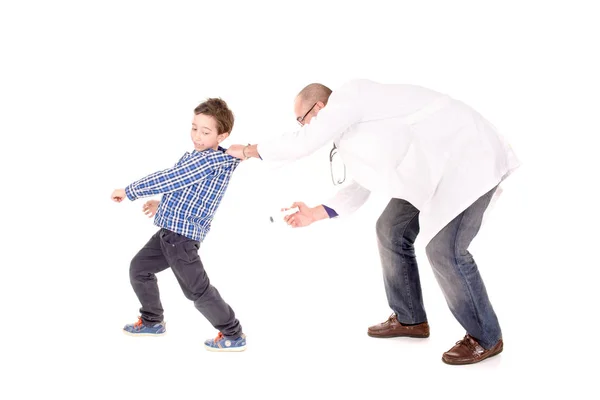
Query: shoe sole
144	334
397	335
225	350
474	362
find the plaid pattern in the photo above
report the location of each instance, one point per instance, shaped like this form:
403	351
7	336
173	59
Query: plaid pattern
192	191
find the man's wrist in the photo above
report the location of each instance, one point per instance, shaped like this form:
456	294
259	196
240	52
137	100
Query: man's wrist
251	151
319	213
246	156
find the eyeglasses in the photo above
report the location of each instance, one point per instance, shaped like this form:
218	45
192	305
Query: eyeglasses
301	119
337	166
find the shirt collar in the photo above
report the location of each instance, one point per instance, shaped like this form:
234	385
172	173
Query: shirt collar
222	149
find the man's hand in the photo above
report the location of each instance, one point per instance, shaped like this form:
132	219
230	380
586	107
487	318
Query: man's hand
305	215
243	152
118	195
150	207
237	151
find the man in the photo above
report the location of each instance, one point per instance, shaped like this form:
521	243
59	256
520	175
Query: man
440	161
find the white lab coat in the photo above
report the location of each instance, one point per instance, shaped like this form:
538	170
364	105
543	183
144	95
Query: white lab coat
405	141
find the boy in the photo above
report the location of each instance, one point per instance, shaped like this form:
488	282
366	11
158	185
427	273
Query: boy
192	191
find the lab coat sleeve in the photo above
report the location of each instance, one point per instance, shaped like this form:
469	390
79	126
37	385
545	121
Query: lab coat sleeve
343	110
349	199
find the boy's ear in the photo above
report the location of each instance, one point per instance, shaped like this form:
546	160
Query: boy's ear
222	136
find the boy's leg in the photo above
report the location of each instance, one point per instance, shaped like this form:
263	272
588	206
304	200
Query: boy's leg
142	273
182	254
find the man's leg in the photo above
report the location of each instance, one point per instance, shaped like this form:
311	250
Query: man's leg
397	229
462	285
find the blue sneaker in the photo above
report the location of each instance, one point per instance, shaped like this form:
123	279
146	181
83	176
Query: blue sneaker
139	329
220	343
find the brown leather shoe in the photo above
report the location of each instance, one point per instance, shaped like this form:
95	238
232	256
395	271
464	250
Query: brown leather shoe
469	351
393	328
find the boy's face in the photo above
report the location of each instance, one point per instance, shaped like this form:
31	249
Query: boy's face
204	133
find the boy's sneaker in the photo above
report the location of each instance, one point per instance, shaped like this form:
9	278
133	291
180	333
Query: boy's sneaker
220	343
140	329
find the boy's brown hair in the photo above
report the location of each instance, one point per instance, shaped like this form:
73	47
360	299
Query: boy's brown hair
218	109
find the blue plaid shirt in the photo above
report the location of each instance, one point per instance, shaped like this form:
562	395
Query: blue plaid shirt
192	190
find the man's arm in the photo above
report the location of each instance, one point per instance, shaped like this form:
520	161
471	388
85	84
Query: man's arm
305	215
191	171
345	202
343	110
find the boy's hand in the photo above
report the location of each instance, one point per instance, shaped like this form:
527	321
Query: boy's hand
150	207
118	195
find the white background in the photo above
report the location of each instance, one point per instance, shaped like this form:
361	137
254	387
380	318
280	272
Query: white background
94	95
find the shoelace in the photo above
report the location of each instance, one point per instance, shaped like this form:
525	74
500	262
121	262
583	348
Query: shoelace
468	342
219	337
139	323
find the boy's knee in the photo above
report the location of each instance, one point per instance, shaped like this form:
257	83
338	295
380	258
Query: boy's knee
135	267
196	296
201	291
193	296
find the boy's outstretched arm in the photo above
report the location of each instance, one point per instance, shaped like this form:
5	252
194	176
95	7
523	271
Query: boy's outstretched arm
190	171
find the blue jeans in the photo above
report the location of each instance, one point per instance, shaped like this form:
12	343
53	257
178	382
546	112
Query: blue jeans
453	266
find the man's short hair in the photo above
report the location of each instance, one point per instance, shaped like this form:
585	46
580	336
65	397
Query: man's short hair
218	109
315	92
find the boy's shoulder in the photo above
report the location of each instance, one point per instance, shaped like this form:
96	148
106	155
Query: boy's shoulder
218	156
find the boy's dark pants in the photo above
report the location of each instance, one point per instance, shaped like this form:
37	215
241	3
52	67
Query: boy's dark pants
169	249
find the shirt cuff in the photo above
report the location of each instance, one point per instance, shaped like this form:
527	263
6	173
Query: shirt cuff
330	211
129	193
